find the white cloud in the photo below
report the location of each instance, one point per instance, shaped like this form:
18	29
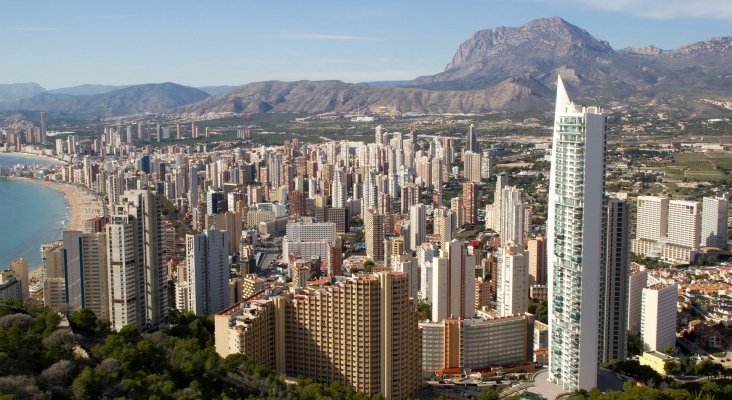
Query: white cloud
660	9
323	36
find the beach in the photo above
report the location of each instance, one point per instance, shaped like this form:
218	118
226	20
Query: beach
83	205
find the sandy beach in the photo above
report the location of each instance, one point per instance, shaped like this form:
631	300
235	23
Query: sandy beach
83	205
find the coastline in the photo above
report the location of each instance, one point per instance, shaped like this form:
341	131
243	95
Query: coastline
83	205
35	156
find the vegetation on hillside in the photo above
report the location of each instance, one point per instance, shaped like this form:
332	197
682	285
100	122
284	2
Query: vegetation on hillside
40	358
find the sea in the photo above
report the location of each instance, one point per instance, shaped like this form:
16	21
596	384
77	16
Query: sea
30	215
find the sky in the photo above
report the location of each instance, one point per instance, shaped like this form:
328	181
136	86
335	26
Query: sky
202	43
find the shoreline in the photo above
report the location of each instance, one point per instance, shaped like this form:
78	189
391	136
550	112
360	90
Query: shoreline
35	156
82	204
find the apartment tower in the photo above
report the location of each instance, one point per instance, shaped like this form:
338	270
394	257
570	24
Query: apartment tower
574	231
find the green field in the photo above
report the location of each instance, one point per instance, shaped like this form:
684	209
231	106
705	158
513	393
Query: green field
699	166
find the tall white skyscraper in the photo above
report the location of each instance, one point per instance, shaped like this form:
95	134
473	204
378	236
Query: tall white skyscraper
715	212
417	225
574	233
208	272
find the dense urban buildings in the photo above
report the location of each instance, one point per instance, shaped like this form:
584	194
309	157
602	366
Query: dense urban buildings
296	246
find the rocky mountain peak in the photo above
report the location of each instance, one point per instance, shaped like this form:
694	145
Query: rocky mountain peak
547	36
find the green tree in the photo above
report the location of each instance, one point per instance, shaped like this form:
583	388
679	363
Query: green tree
635	344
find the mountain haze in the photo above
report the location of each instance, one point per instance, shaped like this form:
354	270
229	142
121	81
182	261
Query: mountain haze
15	91
130	100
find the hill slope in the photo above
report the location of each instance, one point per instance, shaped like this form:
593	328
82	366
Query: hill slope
129	100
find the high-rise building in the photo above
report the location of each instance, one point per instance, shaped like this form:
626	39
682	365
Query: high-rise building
297	203
652	218
715	213
44	136
471	140
312	334
338	195
417	225
453	282
86	276
456	206
373	226
411	194
537	260
668	230
208	273
512	219
574	237
215	202
137	275
513	281
486	165
637	281
54	282
684	223
476	344
472	166
501	182
445	224
658	316
470	202
308	241
614	281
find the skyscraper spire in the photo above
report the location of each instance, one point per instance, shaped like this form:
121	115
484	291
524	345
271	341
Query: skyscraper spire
562	98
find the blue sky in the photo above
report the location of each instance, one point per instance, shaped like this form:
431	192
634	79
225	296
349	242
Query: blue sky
66	43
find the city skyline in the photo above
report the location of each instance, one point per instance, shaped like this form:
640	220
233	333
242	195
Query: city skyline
235	44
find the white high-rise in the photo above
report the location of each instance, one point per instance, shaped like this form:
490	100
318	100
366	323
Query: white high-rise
512	219
453	282
501	182
513	281
658	316
684	223
339	197
208	272
138	284
574	231
652	217
715	212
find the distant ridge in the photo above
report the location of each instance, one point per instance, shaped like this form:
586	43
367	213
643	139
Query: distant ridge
86	89
510	69
15	91
505	69
153	97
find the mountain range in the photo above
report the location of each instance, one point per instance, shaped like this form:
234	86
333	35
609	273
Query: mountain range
506	69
